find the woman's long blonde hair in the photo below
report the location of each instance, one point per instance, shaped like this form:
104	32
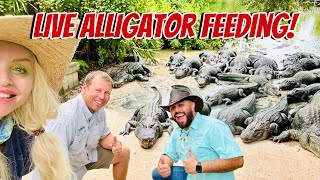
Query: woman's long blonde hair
46	150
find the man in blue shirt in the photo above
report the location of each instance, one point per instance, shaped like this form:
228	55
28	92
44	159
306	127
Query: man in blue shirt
205	145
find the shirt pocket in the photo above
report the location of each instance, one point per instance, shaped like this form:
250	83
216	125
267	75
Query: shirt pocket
198	139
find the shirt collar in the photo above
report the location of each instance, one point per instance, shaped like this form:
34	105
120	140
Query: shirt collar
196	121
84	107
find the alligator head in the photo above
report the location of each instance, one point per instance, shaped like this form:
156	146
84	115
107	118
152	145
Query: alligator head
266	72
239	68
182	71
296	94
121	78
290	60
291	70
214	100
148	131
258	130
203	80
174	64
288	84
224	57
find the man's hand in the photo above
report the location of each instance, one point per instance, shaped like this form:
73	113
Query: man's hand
163	168
116	146
190	163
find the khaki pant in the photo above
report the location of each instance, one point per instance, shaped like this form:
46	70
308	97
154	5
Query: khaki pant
105	157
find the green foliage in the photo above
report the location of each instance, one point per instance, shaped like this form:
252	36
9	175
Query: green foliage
112	50
317	27
275	5
183	6
15	6
83	70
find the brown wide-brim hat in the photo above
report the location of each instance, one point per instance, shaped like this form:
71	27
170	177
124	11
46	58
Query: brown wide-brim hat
180	93
53	55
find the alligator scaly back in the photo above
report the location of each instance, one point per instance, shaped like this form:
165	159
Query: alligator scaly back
236	115
270	121
306	127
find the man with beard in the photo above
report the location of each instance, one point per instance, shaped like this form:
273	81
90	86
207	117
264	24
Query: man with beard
205	145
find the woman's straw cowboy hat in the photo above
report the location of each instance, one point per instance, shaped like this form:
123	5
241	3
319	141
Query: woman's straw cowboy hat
53	56
180	93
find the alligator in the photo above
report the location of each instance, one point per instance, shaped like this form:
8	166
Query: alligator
303	94
149	122
294	58
265	71
231	92
208	57
301	78
225	54
269	121
303	64
207	74
129	72
238	64
264	86
258	61
206	110
291	70
305	126
176	60
236	115
190	66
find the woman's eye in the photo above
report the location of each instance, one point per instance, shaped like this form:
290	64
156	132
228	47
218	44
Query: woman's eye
19	70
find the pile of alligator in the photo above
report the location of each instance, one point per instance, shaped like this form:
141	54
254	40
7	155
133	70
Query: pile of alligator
295	115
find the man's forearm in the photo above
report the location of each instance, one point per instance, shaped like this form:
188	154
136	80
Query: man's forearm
222	165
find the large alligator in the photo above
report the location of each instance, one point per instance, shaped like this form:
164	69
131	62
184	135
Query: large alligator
303	64
129	72
232	92
294	58
259	61
149	122
236	115
291	70
264	86
208	57
207	74
176	60
305	126
303	94
238	64
225	54
265	71
190	66
301	78
270	121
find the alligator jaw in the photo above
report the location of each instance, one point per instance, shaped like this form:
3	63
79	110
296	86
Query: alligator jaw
147	143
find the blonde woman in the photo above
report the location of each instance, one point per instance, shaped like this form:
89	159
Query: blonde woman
30	72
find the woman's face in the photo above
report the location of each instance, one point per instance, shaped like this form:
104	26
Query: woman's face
16	76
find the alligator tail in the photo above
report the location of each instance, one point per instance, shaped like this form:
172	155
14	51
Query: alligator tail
157	94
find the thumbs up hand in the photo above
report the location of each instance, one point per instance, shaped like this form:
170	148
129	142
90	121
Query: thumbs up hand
190	163
116	146
163	168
